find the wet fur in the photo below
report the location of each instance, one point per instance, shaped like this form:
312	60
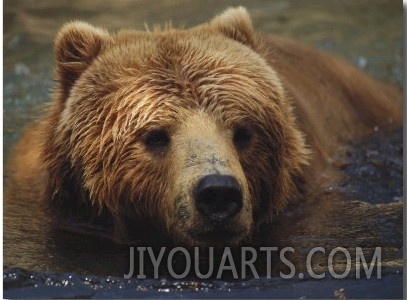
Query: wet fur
207	80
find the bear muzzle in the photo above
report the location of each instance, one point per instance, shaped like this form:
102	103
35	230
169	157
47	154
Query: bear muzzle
218	198
217	213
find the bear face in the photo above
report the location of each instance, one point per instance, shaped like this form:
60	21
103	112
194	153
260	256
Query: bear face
188	131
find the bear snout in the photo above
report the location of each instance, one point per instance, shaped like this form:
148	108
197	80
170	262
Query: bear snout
218	198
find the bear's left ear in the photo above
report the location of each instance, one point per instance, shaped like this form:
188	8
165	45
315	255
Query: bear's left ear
76	46
236	24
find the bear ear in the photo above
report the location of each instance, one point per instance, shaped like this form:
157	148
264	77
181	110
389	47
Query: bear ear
76	46
236	24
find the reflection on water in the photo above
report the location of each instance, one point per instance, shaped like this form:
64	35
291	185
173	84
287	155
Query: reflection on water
369	33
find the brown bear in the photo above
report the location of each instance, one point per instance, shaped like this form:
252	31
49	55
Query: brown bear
201	135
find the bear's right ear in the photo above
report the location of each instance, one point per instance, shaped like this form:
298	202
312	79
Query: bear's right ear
76	46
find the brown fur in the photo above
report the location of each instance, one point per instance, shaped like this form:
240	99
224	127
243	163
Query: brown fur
201	85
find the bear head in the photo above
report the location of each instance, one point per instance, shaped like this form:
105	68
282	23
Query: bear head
185	131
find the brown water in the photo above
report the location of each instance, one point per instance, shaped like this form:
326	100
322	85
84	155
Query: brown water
369	33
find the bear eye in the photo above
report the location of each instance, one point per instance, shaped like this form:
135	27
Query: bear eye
156	138
242	137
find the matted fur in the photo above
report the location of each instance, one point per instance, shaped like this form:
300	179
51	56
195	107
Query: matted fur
200	85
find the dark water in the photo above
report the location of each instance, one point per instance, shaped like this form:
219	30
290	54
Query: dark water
40	262
22	284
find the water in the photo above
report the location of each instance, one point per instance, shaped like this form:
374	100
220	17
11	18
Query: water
42	262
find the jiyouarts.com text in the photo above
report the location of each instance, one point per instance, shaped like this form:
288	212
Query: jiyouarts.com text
204	264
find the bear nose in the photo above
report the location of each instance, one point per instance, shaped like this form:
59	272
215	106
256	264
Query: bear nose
218	197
